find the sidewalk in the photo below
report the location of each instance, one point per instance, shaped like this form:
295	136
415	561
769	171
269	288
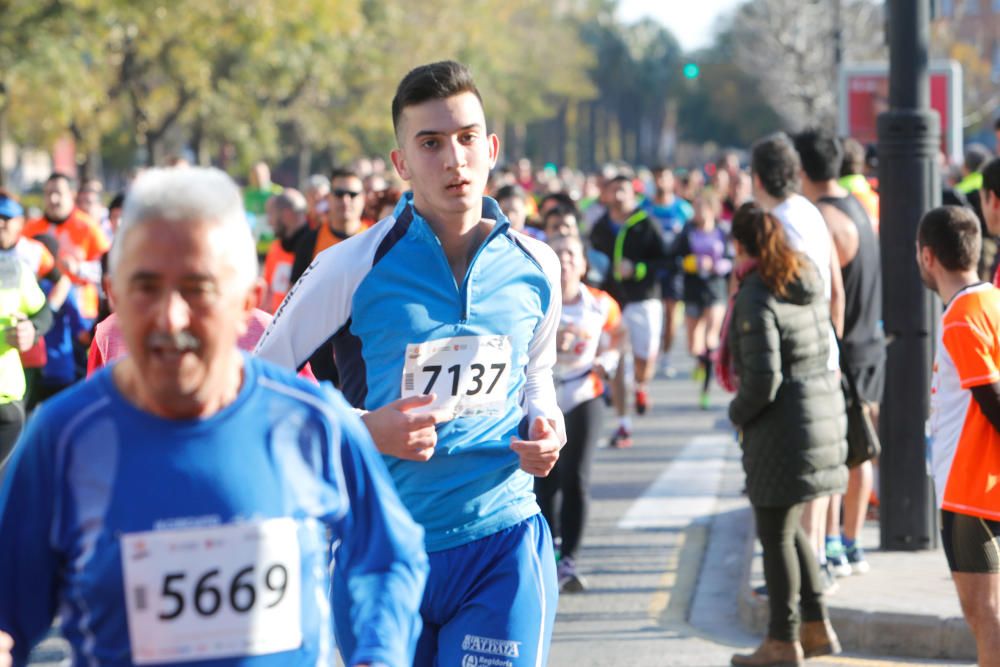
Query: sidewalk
906	606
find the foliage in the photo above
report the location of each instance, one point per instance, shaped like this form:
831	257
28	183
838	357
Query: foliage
788	47
255	74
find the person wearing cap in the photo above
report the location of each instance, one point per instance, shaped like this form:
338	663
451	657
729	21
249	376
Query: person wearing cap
39	255
24	316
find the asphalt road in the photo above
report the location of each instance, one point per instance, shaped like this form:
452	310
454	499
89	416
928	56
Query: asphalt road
664	549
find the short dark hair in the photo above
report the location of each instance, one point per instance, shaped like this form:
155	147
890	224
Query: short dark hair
118	201
774	160
561	199
436	81
559	212
60	176
854	157
991	176
952	233
976	155
343	173
996	123
513	191
820	153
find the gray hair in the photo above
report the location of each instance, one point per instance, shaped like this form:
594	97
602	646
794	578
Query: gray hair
317	182
187	196
290	199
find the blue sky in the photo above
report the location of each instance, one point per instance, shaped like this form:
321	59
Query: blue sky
691	23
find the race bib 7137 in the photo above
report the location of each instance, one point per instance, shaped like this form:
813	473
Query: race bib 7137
469	375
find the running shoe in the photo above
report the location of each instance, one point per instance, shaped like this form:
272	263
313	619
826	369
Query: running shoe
828	579
836	559
621	439
641	402
667	369
570	580
704	402
856	557
698	374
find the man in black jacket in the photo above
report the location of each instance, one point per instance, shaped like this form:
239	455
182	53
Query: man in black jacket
632	242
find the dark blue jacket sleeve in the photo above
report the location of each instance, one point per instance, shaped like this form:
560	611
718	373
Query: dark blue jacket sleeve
28	564
381	554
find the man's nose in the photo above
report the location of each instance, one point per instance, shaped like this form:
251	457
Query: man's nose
174	313
454	154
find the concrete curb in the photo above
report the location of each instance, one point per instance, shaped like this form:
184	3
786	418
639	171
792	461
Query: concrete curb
914	635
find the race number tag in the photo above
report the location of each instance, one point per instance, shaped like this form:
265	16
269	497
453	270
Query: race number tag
469	374
215	592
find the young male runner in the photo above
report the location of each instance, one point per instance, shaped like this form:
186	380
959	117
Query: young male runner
965	417
181	505
443	323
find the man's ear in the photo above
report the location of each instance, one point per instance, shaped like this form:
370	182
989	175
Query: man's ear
927	258
494	142
399	162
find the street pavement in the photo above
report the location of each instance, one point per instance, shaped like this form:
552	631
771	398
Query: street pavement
668	553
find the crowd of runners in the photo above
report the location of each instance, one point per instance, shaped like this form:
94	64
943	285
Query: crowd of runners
192	502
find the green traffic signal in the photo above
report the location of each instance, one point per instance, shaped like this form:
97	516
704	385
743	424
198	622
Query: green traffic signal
691	71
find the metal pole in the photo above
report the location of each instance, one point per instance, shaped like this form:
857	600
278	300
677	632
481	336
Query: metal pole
908	145
838	35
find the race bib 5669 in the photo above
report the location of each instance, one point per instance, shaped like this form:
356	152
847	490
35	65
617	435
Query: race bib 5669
214	592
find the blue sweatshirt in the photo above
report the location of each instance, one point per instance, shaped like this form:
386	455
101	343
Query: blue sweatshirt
206	541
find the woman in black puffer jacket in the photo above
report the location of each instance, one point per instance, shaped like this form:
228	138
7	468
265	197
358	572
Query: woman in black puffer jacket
790	410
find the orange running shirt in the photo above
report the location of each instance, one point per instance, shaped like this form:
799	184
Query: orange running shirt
82	238
277	275
327	237
965	448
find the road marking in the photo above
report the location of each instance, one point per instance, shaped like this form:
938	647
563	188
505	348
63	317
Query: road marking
876	662
660	600
686	491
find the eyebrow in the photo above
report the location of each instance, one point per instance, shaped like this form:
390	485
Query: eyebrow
152	275
426	133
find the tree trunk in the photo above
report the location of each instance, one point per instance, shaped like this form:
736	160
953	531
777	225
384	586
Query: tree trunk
153	149
3	139
305	164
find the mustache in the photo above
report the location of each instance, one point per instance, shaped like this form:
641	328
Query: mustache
182	341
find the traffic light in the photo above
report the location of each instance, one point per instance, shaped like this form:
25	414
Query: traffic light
691	71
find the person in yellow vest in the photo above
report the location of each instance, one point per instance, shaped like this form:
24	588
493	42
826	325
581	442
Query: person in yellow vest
852	179
24	315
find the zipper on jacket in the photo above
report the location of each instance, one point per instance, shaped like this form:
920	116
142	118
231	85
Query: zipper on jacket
463	290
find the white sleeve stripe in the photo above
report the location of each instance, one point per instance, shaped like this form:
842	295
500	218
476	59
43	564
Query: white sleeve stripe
62	442
319	303
323	408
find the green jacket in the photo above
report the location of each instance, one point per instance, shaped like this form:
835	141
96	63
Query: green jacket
789	406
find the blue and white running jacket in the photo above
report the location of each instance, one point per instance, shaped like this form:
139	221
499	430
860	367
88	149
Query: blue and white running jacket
390	289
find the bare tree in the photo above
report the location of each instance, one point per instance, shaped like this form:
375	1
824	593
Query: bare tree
791	48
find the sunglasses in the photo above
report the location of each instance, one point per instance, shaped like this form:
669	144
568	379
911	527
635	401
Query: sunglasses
345	193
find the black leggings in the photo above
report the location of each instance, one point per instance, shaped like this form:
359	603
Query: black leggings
789	568
571	475
11	423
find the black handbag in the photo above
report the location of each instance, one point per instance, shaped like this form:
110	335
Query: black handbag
862	438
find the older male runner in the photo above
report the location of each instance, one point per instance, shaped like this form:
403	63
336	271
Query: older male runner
181	505
442	307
